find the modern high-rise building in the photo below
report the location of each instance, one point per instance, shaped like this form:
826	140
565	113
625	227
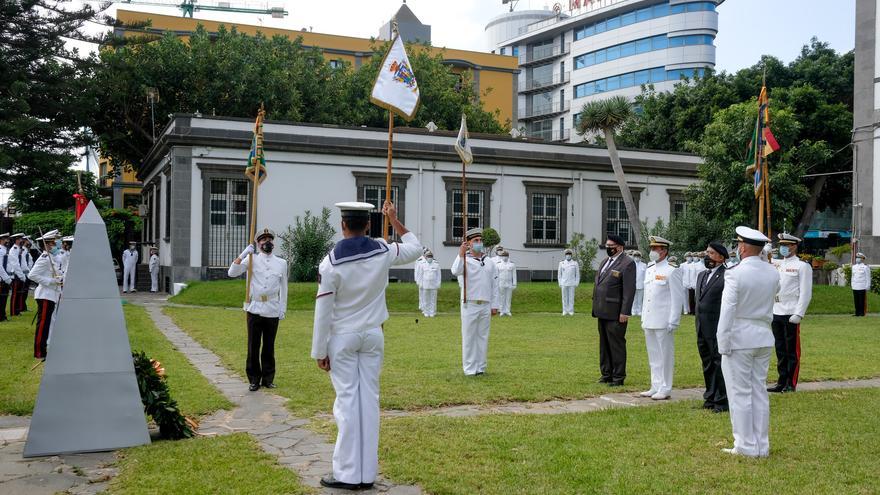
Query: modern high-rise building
591	49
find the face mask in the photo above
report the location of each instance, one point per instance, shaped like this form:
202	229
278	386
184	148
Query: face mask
477	247
611	251
709	263
55	250
784	251
567	257
267	247
654	256
858	261
505	258
429	259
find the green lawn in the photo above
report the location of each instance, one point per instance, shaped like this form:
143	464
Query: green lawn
19	385
230	464
529	297
532	357
822	442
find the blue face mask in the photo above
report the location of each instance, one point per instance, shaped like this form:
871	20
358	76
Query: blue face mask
55	250
477	247
784	251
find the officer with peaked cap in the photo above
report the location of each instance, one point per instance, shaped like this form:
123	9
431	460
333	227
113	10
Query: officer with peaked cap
347	339
860	281
478	304
709	289
27	262
6	275
49	281
792	300
129	267
745	342
417	277
661	315
154	269
640	281
66	246
14	268
429	280
506	282
266	306
569	276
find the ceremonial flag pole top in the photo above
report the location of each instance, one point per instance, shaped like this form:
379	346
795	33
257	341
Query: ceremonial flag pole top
256	171
463	148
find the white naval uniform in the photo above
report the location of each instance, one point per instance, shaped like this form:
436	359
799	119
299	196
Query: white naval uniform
497	260
430	283
745	343
795	287
506	285
349	312
154	273
569	276
129	268
417	277
5	271
476	313
13	266
640	287
660	318
860	279
268	291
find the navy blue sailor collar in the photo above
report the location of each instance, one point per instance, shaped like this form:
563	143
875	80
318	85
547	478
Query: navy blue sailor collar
356	248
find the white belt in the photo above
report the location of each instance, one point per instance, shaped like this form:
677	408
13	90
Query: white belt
787	297
471	301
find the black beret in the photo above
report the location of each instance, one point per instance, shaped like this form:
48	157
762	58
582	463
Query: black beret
719	248
616	239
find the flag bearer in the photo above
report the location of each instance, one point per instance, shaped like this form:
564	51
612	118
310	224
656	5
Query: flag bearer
49	281
430	277
129	267
860	281
18	278
569	276
792	300
479	304
154	269
347	338
506	282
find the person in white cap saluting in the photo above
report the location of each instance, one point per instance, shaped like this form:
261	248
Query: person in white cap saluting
347	337
154	269
661	315
792	300
479	288
430	279
265	307
46	273
745	343
506	282
129	267
860	281
569	276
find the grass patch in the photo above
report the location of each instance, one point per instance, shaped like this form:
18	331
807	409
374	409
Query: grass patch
532	357
822	442
19	385
529	297
229	464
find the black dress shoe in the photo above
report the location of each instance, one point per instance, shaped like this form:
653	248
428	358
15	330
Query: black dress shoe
787	389
616	383
365	486
708	405
331	482
269	385
604	380
776	388
254	387
719	409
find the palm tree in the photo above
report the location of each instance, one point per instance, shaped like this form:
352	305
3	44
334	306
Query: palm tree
607	116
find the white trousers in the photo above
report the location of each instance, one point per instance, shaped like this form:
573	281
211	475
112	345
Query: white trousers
568	300
637	302
475	320
355	364
505	294
154	281
661	358
128	277
429	305
421	299
745	376
686	303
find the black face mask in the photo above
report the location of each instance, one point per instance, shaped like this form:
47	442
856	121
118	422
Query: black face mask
611	251
709	263
267	247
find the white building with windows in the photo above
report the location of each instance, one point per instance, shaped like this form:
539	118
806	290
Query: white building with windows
536	194
592	49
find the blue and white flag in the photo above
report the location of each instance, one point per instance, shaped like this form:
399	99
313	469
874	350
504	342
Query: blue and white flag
463	143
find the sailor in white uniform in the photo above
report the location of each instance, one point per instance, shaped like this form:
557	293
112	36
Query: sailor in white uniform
745	343
154	269
417	278
347	338
430	280
49	281
569	276
640	282
6	276
478	300
792	300
506	283
860	282
129	267
661	315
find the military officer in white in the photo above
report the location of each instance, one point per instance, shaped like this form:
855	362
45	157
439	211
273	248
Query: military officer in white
430	283
640	282
66	246
860	281
5	276
15	270
506	283
745	343
129	267
266	306
569	276
660	317
417	278
154	269
49	281
347	337
497	259
478	302
792	300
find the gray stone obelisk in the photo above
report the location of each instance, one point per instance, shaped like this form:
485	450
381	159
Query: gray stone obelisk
89	399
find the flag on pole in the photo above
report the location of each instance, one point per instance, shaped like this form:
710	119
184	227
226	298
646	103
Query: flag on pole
463	143
763	143
257	160
396	88
770	143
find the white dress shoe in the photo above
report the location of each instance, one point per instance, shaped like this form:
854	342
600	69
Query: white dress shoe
647	393
660	396
731	451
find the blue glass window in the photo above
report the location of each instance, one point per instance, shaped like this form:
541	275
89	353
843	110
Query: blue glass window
628	18
644	14
658	74
677	9
660	10
613	52
641	15
631	79
627	49
612	23
516	51
659	43
613	83
641	77
634	47
627	80
644	45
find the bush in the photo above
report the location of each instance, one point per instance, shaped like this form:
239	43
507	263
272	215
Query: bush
33	223
584	252
490	239
830	266
306	244
840	251
122	225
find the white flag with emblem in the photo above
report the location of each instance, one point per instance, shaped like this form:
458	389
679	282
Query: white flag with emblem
396	88
463	143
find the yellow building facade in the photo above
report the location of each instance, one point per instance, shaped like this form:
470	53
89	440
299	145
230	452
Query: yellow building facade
121	186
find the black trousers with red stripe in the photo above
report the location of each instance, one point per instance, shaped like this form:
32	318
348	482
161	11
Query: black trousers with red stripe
4	295
23	295
15	295
788	350
45	308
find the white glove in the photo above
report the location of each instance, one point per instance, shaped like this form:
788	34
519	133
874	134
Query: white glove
248	250
57	281
281	316
794	319
671	328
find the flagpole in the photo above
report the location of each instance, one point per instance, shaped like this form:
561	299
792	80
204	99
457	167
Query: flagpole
253	230
385	233
464	226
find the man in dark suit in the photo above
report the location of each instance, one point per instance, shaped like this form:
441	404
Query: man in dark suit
613	297
709	287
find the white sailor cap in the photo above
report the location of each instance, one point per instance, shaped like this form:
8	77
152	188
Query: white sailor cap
636	253
498	249
567	251
475	232
50	236
657	241
4	235
266	232
67	239
428	253
17	236
154	248
861	255
354	209
751	236
786	238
